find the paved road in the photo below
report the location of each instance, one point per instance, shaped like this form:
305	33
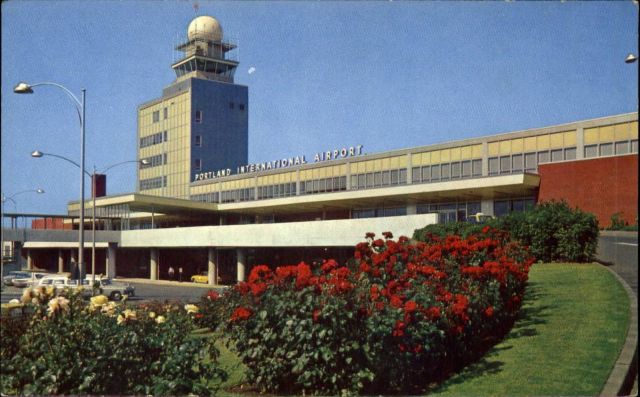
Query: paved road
620	250
144	292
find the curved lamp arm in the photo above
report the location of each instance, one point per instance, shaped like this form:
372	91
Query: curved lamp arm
24	88
143	161
38	154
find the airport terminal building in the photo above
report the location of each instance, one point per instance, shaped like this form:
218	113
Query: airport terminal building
201	204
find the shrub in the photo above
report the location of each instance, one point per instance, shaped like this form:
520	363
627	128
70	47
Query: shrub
71	347
552	230
393	319
556	232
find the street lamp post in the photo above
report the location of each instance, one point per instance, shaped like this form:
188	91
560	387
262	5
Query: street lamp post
4	199
24	88
38	154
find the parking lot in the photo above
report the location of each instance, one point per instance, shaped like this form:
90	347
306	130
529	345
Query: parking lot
184	292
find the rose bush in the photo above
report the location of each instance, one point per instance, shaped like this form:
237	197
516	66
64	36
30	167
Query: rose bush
395	318
73	347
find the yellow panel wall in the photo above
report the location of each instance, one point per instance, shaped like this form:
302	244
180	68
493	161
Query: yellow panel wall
177	147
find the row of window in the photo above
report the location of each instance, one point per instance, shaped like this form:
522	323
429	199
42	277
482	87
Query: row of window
378	212
503	207
233	196
156	115
444	172
323	185
154	161
275	191
153	183
450	212
528	162
206	197
611	148
154	139
378	179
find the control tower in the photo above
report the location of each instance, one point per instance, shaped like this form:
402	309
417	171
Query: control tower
200	124
205	53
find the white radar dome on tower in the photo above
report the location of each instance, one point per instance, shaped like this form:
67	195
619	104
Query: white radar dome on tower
205	27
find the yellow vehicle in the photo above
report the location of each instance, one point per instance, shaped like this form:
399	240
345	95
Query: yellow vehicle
200	278
480	218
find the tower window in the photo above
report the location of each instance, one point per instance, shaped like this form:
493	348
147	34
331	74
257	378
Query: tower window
198	116
198	164
156	116
198	140
231	105
241	106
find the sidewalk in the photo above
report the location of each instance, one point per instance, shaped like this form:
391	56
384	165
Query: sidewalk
188	284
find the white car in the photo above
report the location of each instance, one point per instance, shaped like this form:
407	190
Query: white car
31	278
7	280
113	290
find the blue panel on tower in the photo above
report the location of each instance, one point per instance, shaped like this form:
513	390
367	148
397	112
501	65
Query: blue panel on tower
219	126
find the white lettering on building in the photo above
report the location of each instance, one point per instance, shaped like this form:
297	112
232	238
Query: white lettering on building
319	157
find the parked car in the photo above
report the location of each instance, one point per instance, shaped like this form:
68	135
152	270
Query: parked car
31	278
106	286
7	280
479	218
114	289
200	278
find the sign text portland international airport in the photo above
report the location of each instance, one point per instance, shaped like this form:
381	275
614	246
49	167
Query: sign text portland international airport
319	157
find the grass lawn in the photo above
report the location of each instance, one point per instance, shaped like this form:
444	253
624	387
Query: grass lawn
573	324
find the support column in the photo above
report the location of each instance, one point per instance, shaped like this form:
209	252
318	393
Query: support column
485	160
29	260
212	271
153	263
110	265
579	143
60	261
73	269
241	257
17	253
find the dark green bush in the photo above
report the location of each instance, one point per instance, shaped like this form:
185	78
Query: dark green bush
553	231
618	223
71	347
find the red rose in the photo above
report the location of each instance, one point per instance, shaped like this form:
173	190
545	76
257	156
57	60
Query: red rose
396	301
212	295
410	306
489	311
240	314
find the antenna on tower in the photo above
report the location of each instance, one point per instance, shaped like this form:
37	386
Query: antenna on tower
196	7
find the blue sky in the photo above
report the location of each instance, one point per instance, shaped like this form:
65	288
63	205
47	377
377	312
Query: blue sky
387	75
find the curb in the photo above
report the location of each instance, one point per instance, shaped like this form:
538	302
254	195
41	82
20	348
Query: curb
167	282
625	369
618	233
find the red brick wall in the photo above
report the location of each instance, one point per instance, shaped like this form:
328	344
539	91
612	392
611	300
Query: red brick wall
50	223
602	186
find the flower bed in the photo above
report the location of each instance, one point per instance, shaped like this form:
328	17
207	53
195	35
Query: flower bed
395	318
64	345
